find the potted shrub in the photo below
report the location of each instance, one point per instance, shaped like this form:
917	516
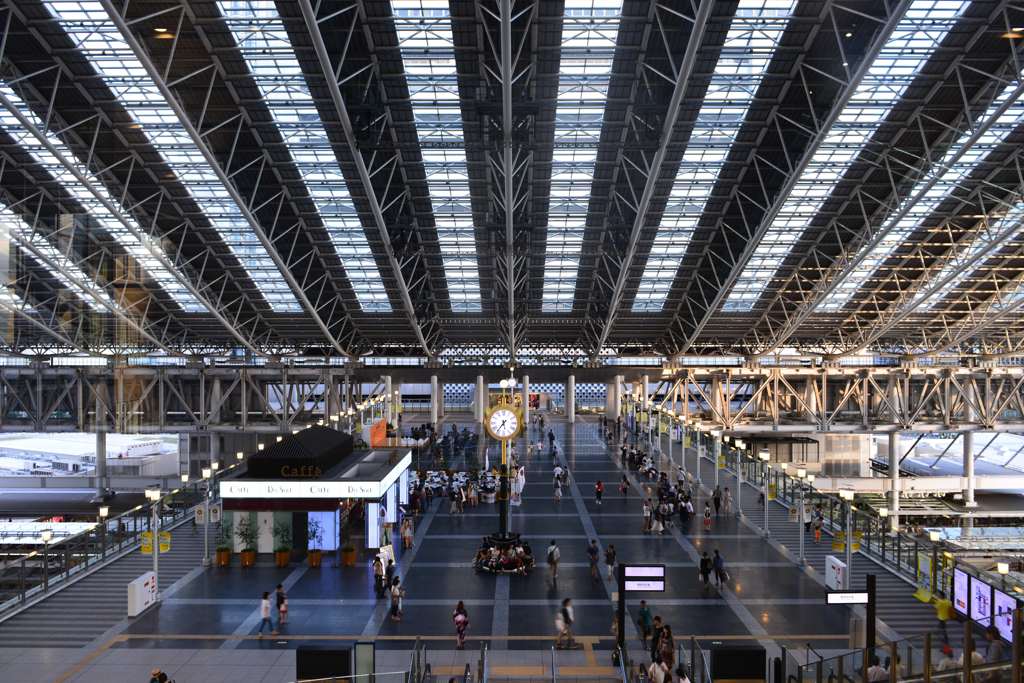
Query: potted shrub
224	545
282	544
246	533
315	533
348	550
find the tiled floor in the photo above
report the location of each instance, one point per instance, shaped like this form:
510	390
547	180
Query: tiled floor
204	631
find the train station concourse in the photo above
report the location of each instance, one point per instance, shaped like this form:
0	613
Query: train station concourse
519	341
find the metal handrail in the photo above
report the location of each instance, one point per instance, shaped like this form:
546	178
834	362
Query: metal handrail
86	550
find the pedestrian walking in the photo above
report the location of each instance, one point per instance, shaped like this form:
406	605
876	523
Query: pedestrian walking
656	628
624	486
609	560
407	533
644	621
554	555
558	489
378	577
461	618
397	592
281	603
563	624
707	516
593	554
667	649
716	497
598	491
819	522
705	568
718	564
647	511
389	575
727	501
265	615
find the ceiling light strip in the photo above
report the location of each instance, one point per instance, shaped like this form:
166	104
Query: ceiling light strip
916	37
590	31
754	34
263	41
99	41
427	47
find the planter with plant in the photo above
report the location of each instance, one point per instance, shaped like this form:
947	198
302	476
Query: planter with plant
282	544
246	533
348	549
224	537
315	533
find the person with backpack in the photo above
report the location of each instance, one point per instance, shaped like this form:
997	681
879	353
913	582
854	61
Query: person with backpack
554	555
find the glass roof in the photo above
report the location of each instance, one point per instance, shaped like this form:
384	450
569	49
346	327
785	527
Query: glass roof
263	40
749	45
42	156
427	46
952	178
99	41
916	36
590	30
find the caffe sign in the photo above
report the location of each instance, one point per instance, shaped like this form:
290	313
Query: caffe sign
300	489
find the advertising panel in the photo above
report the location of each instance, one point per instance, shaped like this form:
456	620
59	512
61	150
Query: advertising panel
981	602
1004	604
960	588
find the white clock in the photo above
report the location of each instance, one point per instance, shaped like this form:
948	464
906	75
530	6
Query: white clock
503	424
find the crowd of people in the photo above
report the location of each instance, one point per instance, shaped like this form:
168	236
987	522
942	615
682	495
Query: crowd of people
512	559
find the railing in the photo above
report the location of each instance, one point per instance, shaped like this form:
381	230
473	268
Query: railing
38	573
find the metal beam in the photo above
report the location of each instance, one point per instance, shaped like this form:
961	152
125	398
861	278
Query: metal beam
200	142
508	197
711	302
843	268
682	82
320	47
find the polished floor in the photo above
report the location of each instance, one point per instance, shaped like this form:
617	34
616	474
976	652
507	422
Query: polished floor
205	629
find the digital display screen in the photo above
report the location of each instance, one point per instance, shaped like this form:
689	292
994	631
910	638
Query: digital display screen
981	602
960	591
1004	604
644	578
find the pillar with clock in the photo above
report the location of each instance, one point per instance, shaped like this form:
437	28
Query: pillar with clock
503	422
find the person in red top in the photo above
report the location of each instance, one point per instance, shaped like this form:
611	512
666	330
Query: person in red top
598	491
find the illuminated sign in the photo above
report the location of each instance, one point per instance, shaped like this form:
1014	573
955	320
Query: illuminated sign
847	598
643	578
960	596
277	489
981	602
1005	604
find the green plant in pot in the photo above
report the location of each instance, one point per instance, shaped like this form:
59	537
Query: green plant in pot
315	533
246	533
348	549
224	544
282	544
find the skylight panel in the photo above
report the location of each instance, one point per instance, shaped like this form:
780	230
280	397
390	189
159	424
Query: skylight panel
590	31
427	46
749	45
42	156
19	231
90	29
917	35
263	41
951	179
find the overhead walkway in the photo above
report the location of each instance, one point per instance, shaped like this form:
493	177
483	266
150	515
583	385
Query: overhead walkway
76	615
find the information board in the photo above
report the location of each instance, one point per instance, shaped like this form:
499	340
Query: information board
981	602
1004	604
835	573
847	598
644	578
960	591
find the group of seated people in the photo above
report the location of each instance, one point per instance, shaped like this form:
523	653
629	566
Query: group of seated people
516	559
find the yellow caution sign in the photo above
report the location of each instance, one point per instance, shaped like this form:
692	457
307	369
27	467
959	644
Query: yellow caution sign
721	462
147	542
839	541
771	491
165	541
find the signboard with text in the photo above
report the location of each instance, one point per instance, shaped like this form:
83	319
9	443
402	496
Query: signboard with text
644	578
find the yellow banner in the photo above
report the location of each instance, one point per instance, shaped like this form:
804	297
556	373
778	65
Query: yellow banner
721	461
147	542
165	541
839	541
686	441
771	491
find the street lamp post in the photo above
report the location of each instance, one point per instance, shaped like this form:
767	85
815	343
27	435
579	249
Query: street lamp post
764	456
155	495
208	472
847	497
104	512
46	536
739	476
802	516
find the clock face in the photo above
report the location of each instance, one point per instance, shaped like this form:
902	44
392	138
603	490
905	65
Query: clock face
504	423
